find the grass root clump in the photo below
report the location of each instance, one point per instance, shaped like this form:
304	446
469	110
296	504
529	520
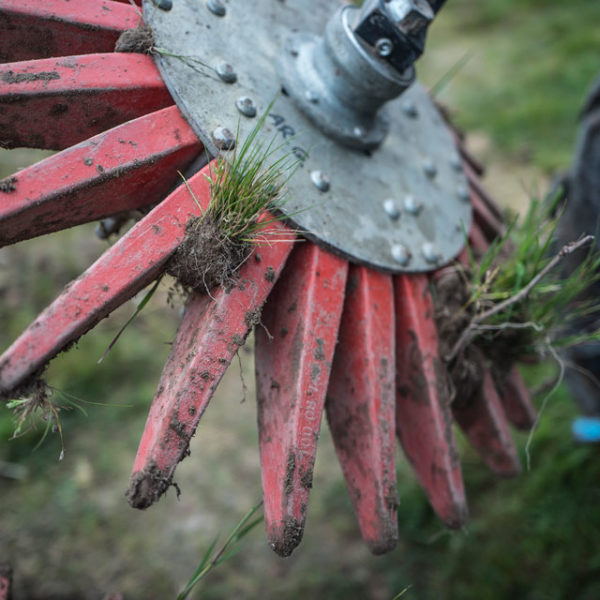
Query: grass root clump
207	257
138	40
246	184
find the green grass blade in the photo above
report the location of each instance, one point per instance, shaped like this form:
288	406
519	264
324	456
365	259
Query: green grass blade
137	311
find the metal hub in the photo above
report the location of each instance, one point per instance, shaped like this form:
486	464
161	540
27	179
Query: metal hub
383	188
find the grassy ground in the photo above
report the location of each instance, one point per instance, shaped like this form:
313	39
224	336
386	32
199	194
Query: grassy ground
66	526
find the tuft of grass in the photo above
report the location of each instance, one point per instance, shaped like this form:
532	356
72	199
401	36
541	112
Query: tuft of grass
521	299
518	292
38	403
245	183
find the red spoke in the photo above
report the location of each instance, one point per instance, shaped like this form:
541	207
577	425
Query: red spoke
484	423
516	399
122	271
361	404
112	172
32	29
210	333
55	103
423	419
292	371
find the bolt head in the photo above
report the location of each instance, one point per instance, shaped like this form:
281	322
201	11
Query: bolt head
456	163
410	16
429	168
462	191
409	108
412	205
430	253
401	254
384	47
163	4
216	7
320	181
246	106
226	72
223	138
391	209
311	96
358	132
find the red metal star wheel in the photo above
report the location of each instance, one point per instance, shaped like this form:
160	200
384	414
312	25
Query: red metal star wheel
354	341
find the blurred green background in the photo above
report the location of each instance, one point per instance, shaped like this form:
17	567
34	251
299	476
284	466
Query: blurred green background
66	527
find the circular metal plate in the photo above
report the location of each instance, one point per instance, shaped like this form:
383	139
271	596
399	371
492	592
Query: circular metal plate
401	208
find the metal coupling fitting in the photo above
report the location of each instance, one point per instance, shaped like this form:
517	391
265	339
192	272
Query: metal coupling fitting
395	29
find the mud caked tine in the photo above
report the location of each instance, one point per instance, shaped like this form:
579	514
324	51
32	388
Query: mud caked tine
294	352
423	417
53	103
112	172
120	273
361	404
30	29
214	326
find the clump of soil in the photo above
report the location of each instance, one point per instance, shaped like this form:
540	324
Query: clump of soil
8	185
30	402
147	486
139	40
452	316
207	257
291	537
35	390
499	350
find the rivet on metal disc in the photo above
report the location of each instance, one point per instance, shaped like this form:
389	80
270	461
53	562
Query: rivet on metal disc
391	209
216	7
456	163
163	4
223	138
429	168
401	254
246	106
410	109
226	73
290	47
311	96
358	132
412	205
463	193
384	47
430	253
320	181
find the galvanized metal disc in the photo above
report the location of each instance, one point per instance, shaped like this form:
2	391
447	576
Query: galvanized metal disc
403	208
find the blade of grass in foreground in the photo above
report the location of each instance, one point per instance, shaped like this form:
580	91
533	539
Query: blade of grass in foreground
229	548
137	311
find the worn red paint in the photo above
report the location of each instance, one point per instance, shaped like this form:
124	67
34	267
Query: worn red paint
361	404
423	418
32	29
55	103
213	328
112	172
302	315
483	420
122	271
